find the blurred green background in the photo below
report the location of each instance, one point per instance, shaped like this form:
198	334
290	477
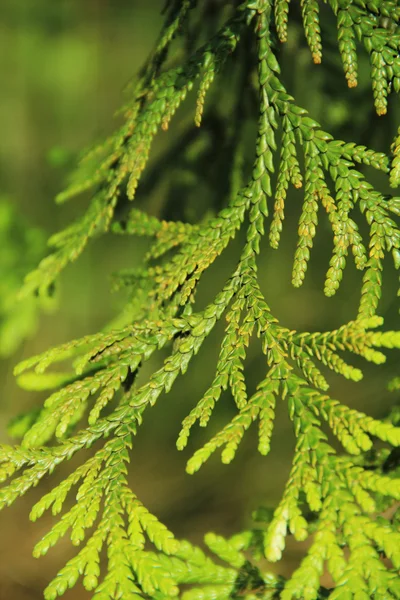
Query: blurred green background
64	66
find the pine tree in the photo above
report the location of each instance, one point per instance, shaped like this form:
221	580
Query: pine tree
338	498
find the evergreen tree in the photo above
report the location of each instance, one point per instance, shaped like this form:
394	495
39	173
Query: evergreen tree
217	51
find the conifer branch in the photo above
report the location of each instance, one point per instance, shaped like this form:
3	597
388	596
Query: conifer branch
97	400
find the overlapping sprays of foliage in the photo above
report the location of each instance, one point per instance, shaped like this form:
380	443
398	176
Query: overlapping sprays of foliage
99	399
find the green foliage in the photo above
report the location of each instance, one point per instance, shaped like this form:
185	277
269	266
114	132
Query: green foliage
20	249
338	497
